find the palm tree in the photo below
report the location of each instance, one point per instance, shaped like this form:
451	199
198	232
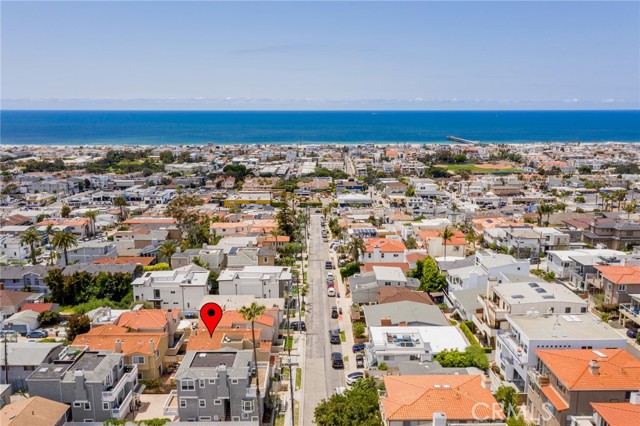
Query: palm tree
544	208
64	240
356	248
304	290
446	235
31	237
49	231
92	214
121	202
53	256
250	313
630	207
326	211
167	250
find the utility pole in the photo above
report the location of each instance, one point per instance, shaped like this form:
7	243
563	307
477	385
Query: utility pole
293	402
5	339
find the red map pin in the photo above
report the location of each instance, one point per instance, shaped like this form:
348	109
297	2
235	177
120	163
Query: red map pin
211	314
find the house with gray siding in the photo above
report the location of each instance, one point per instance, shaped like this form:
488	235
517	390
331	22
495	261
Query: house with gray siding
218	386
97	385
19	277
23	359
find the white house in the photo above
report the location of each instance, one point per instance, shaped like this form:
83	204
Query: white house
487	264
515	347
561	263
181	288
260	281
392	345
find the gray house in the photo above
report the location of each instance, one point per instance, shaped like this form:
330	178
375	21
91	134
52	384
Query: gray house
23	359
218	386
97	385
22	322
19	277
404	313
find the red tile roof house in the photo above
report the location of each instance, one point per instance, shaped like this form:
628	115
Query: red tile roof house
384	250
618	413
430	400
568	381
618	282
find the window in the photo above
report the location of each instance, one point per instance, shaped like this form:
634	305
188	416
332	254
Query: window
234	381
77	404
204	418
217	402
212	381
567	310
202	403
156	294
622	288
247	406
137	359
105	406
187	385
583	310
183	403
201	383
87	406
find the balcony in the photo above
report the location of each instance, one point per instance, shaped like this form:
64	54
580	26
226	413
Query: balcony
170	407
122	408
631	310
541	379
516	351
130	375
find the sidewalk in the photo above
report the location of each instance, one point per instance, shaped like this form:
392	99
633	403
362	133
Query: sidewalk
297	361
344	320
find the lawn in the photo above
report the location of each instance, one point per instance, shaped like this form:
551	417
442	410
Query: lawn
298	378
343	337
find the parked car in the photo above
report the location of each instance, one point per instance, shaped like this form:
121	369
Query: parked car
330	284
331	292
359	360
336	360
37	334
334	312
354	377
298	326
328	265
632	332
190	315
358	347
334	337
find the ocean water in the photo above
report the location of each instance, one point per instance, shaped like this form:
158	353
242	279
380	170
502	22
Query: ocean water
340	127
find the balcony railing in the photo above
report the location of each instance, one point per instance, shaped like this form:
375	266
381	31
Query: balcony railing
630	310
129	376
124	406
170	407
508	340
542	379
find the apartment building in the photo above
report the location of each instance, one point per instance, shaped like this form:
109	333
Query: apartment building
98	386
567	381
486	264
615	234
218	386
516	347
562	263
260	281
182	288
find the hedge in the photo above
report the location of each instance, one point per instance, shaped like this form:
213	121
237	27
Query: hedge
466	327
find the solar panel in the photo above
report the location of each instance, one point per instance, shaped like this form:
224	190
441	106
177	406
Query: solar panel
540	290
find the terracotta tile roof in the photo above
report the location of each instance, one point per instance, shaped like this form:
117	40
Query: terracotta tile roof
386	245
141	220
277	238
618	369
418	397
199	340
35	411
104	337
39	307
75	222
414	257
554	398
123	260
229	318
618	413
145	319
368	267
620	274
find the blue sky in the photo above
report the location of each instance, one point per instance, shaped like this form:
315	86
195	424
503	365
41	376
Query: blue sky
321	55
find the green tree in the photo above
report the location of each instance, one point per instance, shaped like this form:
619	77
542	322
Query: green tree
78	324
92	214
166	157
286	219
251	313
508	400
411	243
431	279
167	250
473	356
55	283
630	207
201	263
358	330
65	211
350	269
47	318
121	202
31	237
357	247
214	287
544	208
184	209
446	235
358	405
64	241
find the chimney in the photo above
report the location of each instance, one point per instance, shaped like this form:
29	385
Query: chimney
152	347
635	398
403	324
171	325
118	346
594	367
385	322
439	419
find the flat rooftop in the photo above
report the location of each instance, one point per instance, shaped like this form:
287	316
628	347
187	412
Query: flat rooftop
213	359
563	327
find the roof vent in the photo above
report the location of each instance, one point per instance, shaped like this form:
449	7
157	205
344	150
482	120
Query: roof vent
600	354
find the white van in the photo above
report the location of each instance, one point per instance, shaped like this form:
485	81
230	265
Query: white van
331	292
